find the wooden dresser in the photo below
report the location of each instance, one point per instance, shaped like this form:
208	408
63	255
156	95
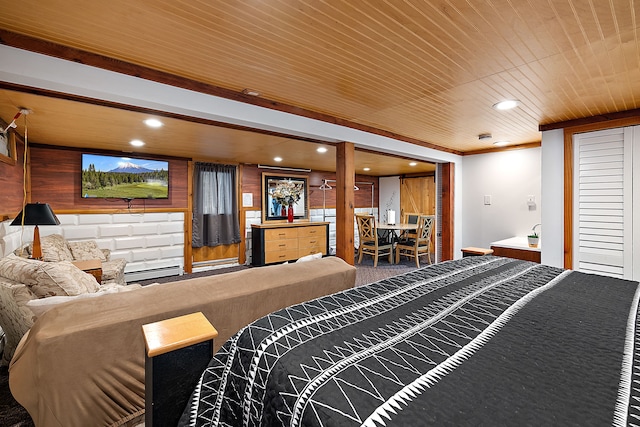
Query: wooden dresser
274	243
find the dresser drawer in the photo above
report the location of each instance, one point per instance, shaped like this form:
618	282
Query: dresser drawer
313	241
312	230
280	245
280	234
311	250
280	256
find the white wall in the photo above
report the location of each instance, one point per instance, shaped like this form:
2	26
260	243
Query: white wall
152	243
509	177
389	197
553	197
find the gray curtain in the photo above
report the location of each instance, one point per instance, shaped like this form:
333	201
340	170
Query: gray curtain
215	206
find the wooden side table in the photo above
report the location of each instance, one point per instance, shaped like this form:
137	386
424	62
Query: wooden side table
91	266
518	248
178	351
473	251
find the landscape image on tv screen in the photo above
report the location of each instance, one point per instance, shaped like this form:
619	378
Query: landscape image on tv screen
124	177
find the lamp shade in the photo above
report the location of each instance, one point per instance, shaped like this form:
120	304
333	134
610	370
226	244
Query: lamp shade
36	214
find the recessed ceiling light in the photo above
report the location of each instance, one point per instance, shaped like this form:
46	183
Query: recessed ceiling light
136	143
277	159
321	149
366	169
507	104
413	164
153	123
501	143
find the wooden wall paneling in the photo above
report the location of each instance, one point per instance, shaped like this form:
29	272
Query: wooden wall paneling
362	197
188	224
568	200
448	180
345	177
12	180
215	253
56	179
316	194
28	175
242	246
251	182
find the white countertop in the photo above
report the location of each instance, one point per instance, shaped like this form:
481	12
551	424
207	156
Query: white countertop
517	243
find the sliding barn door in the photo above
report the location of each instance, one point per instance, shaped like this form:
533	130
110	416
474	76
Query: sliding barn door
418	195
603	201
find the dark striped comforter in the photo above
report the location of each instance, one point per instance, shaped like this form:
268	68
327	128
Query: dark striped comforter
477	341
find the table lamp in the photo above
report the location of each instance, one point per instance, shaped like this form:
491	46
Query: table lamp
36	214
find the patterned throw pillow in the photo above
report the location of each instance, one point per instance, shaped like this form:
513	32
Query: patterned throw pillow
17	268
86	250
62	278
54	248
48	278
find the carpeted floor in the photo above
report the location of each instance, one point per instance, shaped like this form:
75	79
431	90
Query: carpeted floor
14	415
366	273
11	413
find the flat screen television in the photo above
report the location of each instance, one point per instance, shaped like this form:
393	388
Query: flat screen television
126	178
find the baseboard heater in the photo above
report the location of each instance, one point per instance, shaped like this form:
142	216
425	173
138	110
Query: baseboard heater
174	270
213	264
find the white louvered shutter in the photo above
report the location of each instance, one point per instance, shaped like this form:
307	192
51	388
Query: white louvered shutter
603	214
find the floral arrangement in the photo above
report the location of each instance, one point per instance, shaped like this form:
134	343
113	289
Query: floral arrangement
287	192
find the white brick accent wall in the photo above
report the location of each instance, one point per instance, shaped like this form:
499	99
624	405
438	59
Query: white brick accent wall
152	243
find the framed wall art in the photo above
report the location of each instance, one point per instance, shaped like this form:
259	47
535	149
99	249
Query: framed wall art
280	191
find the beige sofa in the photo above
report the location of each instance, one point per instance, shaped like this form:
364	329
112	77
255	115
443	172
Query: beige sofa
23	281
28	287
82	362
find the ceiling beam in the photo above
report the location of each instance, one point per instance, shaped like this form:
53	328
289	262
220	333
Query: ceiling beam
591	120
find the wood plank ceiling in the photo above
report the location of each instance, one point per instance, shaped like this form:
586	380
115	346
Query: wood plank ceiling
427	71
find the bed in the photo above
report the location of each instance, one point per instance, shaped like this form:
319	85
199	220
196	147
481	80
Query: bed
479	341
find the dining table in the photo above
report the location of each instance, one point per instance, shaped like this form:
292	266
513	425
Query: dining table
401	226
394	231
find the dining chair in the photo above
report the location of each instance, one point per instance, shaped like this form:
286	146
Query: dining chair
414	247
410	218
370	242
